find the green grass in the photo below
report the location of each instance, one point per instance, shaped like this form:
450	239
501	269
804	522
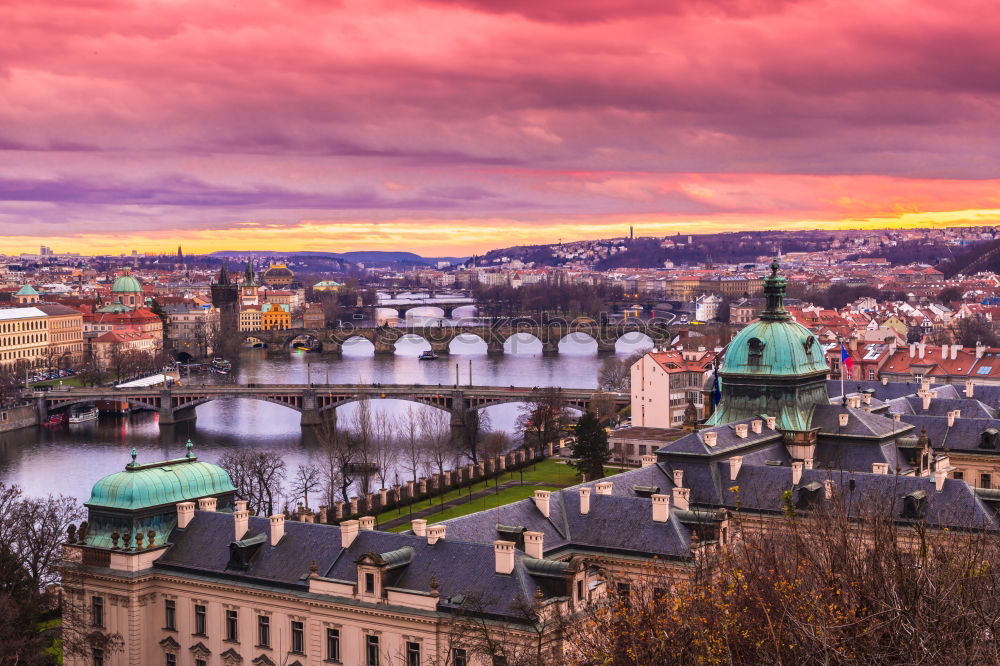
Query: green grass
72	380
491	501
547	471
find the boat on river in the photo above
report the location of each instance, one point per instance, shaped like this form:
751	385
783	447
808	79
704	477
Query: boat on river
83	414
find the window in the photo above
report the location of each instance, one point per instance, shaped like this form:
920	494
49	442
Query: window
333	644
579	590
263	631
298	637
625	591
200	662
871	375
169	614
459	657
369	583
985	481
97	656
231	625
199	620
97	611
371	649
171	659
412	654
959	475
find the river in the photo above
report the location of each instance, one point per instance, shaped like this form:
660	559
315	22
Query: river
69	459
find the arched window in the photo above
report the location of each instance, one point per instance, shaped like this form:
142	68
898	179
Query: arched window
755	351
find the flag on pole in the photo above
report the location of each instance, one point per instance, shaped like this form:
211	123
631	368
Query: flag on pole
716	387
846	359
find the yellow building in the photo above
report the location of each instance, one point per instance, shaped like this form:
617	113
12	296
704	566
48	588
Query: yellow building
250	318
327	286
275	316
278	275
41	335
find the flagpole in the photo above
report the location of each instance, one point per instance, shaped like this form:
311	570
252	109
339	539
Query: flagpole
843	396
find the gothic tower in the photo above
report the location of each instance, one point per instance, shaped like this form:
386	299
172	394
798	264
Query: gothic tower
225	297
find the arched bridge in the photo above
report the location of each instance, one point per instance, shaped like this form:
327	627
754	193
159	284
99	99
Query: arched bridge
316	402
384	338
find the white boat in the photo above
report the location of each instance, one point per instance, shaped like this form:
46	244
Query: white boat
83	414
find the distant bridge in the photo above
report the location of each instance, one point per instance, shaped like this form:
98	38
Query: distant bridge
384	338
316	402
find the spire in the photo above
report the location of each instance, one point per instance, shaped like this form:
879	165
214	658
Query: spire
248	277
190	450
134	454
774	292
224	273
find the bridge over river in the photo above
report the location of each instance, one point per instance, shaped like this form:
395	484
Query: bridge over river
315	402
384	338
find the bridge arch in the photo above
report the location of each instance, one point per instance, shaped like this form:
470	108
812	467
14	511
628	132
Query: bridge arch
411	344
580	343
468	344
522	342
632	342
357	345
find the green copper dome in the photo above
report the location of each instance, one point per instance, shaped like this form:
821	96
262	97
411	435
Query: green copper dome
774	345
126	284
27	290
159	484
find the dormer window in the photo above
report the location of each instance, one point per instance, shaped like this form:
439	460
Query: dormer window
755	351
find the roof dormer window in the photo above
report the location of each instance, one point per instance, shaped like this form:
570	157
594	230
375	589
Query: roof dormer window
755	351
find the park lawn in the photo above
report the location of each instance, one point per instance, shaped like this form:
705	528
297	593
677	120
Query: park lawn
550	471
72	380
491	501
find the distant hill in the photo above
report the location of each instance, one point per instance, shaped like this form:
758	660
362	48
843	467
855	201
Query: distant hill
367	257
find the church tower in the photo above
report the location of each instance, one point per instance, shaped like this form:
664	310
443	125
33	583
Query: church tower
249	289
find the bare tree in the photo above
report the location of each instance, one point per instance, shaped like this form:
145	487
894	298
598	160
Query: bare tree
435	433
385	449
543	419
34	529
413	452
363	439
615	374
495	443
259	476
307	479
335	460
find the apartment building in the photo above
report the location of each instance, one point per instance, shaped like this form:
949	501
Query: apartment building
664	382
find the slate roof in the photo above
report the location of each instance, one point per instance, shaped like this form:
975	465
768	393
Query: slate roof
969	407
885	392
963	435
727	441
859	424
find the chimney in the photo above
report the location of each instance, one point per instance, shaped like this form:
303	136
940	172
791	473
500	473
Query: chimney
913	349
969	388
735	463
796	472
880	468
808	463
241	518
867	398
828	489
504	556
185	512
940	474
741	430
954	351
885	380
843	418
710	437
348	532
207	504
854	401
542	501
921	349
604	488
648	460
679	478
980	349
772	423
682	498
757	426
435	532
925	384
897	417
533	542
951	418
366	522
419	527
277	528
926	396
584	501
661	508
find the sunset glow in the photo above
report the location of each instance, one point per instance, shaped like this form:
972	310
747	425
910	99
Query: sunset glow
448	127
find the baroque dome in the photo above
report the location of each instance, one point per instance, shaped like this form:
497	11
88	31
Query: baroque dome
126	284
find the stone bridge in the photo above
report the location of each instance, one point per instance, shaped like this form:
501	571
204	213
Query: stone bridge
316	402
440	337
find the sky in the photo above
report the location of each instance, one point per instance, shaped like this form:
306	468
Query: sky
450	127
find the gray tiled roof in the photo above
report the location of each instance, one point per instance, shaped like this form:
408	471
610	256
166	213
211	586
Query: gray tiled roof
963	435
859	424
727	441
969	407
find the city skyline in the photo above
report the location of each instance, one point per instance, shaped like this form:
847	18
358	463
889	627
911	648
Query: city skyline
453	127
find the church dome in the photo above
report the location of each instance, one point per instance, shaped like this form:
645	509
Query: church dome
159	484
126	284
774	345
